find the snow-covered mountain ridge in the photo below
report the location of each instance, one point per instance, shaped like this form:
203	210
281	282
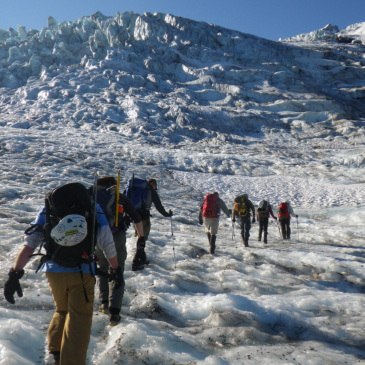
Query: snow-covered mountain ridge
354	34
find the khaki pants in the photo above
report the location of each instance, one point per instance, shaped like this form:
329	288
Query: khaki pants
211	225
70	328
146	228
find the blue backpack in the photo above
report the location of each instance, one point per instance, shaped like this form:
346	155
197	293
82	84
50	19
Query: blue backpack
139	193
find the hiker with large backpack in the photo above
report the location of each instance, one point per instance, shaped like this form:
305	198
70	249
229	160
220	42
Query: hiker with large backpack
263	211
67	227
142	194
242	207
209	214
284	212
118	211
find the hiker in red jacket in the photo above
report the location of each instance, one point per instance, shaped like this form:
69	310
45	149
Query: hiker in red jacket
284	212
209	215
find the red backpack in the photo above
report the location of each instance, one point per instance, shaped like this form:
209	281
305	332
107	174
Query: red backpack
210	206
283	211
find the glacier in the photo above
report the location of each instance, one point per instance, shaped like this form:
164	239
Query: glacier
200	108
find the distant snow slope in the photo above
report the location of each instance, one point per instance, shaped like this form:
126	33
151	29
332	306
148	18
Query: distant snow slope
354	33
300	192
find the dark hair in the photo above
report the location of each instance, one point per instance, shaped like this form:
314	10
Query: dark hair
106	181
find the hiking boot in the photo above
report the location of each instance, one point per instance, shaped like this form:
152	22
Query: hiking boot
104	307
259	237
137	263
265	237
143	259
56	358
137	266
212	244
245	242
209	236
114	319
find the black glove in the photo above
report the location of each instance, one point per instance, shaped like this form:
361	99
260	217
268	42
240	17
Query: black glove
296	216
253	220
200	220
233	219
12	285
116	277
170	213
126	220
141	243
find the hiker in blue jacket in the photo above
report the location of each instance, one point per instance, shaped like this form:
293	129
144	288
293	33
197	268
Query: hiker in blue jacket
72	289
140	258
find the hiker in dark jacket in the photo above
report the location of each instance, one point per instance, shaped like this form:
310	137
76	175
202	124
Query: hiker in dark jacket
263	211
140	258
242	207
110	296
70	328
209	215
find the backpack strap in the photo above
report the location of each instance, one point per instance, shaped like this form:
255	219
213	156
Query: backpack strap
46	230
83	285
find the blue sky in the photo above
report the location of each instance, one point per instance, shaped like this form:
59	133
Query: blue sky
271	19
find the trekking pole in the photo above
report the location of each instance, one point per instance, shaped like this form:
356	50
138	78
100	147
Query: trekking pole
233	235
93	202
173	245
117	201
298	228
280	235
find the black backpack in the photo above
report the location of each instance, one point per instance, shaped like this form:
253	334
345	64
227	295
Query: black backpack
241	206
72	198
106	198
263	209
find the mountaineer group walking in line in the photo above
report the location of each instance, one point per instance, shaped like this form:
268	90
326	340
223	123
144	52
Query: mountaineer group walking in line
83	233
